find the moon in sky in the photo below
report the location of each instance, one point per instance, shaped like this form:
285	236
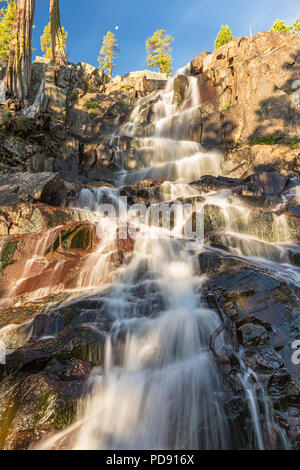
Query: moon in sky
117	27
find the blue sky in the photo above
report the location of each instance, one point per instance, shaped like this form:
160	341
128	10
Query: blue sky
194	25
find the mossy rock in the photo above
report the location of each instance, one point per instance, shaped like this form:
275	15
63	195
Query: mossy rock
7	254
58	218
79	238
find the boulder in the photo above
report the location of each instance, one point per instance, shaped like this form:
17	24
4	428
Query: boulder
254	335
28	187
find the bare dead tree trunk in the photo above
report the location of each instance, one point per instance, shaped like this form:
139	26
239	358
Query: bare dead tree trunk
57	36
18	72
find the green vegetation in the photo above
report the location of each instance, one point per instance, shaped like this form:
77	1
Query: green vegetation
24	125
293	143
7	18
108	53
237	143
7	254
226	107
58	218
296	26
224	36
159	48
264	140
280	25
46	42
74	97
6	118
127	87
91	105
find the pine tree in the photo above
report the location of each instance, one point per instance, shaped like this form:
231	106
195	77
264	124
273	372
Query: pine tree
57	34
7	18
18	71
159	48
224	36
280	25
296	26
46	42
108	53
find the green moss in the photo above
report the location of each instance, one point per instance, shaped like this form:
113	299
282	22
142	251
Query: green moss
7	418
264	140
293	143
91	105
58	218
7	254
57	243
60	415
81	239
226	107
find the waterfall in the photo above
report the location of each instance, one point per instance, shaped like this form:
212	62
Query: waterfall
159	386
167	152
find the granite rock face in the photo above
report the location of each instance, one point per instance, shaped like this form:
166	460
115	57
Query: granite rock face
252	88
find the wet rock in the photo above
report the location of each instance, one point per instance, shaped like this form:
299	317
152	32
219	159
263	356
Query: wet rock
295	211
281	386
212	262
39	402
294	256
264	297
89	311
264	361
213	183
180	86
144	192
84	342
59	254
254	335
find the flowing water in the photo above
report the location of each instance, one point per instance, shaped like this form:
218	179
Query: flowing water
159	386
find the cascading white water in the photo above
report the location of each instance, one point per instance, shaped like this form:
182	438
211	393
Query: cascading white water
159	386
162	390
167	152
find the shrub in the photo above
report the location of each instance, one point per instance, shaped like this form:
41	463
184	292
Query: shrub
91	105
6	118
264	140
24	125
293	143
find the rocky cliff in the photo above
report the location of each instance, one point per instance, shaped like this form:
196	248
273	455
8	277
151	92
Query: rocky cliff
249	90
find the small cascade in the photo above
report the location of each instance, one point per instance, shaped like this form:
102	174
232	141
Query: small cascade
97	269
166	152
